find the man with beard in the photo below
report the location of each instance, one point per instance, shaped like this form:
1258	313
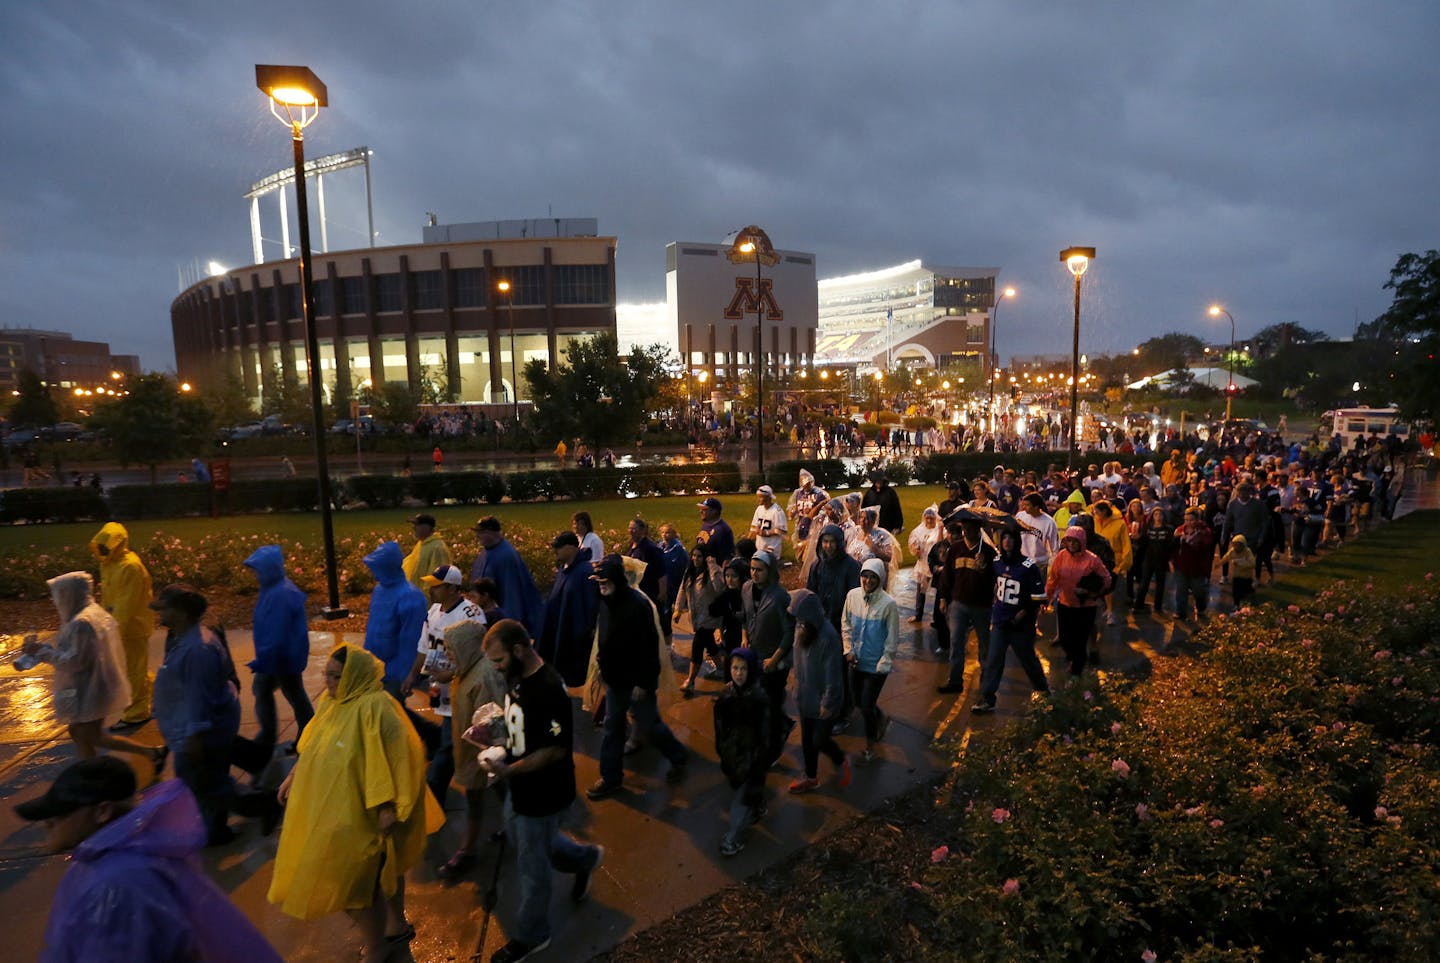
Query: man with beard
627	633
539	769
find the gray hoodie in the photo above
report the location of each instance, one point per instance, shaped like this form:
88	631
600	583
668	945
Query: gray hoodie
768	625
819	666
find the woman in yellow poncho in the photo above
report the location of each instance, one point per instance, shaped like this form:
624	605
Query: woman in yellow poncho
357	808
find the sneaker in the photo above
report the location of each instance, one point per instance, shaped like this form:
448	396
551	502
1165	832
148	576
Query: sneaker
867	757
632	746
982	708
843	777
581	889
804	785
950	688
1109	618
731	847
603	790
515	951
123	726
453	867
883	726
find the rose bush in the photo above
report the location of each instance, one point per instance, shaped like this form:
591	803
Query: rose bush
1272	798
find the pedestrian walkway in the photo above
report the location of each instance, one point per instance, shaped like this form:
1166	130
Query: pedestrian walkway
662	840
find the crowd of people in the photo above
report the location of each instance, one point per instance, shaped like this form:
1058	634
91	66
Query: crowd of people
793	611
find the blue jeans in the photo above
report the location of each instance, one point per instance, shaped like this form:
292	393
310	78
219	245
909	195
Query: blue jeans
1004	638
618	705
442	764
541	847
1188	587
960	619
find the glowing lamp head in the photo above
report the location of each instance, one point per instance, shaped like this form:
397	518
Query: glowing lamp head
945	385
1077	259
1009	292
1215	310
503	287
291	86
878	376
747	247
704	377
185	386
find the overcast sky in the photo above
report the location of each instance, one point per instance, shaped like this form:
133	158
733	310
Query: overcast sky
1277	157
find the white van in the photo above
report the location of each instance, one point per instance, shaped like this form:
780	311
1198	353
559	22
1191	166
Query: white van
1352	423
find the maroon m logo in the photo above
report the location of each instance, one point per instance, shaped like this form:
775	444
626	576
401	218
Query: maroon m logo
745	300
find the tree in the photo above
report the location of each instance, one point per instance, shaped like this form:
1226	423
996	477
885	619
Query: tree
1411	327
227	401
1167	351
594	395
394	404
35	406
290	400
1286	334
155	422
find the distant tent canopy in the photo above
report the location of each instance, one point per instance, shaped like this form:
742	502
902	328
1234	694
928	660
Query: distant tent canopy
1216	378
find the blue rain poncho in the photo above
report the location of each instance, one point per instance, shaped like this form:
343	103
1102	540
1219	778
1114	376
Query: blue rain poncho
397	613
281	631
518	593
135	890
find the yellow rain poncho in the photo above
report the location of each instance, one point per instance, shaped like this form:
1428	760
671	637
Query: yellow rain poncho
428	554
358	753
125	593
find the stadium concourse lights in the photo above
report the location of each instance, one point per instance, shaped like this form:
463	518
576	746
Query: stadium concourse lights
1077	260
300	94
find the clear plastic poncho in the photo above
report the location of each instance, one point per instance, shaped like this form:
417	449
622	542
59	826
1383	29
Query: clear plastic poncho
88	656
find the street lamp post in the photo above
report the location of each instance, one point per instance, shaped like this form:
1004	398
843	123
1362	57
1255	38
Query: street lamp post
753	244
1077	259
301	94
994	351
1215	312
509	292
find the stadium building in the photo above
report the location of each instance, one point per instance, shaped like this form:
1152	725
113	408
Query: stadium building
913	312
406	314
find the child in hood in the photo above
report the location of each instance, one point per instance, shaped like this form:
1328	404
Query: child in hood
1242	569
742	737
819	688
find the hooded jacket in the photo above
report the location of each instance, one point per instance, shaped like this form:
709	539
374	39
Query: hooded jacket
569	625
627	640
819	666
769	629
1068	568
358	753
125	589
476	683
281	630
831	579
870	626
1073	505
742	729
397	613
89	682
1115	531
135	890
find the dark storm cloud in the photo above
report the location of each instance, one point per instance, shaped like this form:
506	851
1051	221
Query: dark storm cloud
1277	157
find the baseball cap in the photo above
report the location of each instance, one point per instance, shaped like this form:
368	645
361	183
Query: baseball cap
565	538
711	502
488	524
83	783
764	490
445	574
183	597
610	569
423	519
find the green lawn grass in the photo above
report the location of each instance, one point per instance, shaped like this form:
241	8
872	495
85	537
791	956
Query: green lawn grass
1398	552
454	522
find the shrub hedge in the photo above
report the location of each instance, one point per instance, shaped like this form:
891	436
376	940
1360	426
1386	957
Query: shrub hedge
940	467
257	496
785	475
1272	799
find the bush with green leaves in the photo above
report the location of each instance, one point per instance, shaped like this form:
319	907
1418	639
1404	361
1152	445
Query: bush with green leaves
1273	798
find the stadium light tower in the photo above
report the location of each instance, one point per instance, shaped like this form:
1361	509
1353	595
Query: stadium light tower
300	94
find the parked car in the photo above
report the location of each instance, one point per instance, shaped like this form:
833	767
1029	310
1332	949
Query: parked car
66	431
252	429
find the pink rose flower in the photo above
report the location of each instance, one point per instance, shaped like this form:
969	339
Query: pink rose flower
1293	609
1382	655
938	854
999	814
1148	957
1216	823
1307	643
1381	812
1088	695
1121	768
1011	887
1115	728
1142	812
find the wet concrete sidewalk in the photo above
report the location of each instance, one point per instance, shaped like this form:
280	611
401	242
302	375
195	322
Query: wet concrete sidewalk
661	840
